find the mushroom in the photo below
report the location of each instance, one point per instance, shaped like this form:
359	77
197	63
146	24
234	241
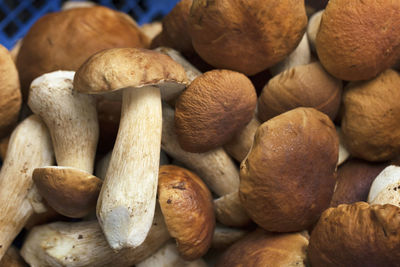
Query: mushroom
215	167
344	154
215	106
313	27
385	189
249	36
186	204
356	234
168	256
126	203
261	248
301	86
229	211
84	244
370	125
10	94
225	236
12	258
4	146
359	41
354	179
288	177
152	29
29	147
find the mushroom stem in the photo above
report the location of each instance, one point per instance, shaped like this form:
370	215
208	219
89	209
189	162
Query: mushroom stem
229	211
125	208
215	167
83	244
29	147
226	236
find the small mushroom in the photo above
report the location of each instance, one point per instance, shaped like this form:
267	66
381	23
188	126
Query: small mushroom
261	248
356	235
385	189
216	105
288	177
29	148
127	199
186	204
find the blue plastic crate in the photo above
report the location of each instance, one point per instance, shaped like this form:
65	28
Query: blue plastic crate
17	16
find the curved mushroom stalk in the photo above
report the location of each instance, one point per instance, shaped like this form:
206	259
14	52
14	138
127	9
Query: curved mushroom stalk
70	116
229	211
215	167
29	147
168	256
84	244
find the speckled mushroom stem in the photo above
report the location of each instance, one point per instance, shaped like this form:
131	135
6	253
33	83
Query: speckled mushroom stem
29	147
125	208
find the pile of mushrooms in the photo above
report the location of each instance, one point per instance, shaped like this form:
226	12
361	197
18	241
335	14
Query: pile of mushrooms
231	133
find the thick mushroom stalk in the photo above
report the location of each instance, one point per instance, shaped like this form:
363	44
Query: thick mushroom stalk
126	203
29	147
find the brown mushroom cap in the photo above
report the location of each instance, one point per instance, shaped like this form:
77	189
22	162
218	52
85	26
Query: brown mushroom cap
215	106
288	177
261	248
302	86
186	204
69	191
64	40
370	123
10	95
354	179
357	235
119	68
246	36
357	41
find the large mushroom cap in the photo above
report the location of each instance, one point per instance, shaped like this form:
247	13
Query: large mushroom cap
119	68
186	204
356	235
70	191
64	40
10	95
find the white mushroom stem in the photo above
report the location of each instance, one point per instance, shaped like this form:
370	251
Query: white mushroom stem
300	56
70	116
385	189
241	144
313	27
125	208
225	236
29	148
229	211
168	256
215	167
344	154
83	244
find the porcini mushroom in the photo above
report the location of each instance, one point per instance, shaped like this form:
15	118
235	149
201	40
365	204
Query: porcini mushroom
127	199
29	147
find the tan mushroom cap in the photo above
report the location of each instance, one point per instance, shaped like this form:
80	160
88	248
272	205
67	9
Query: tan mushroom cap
65	39
370	122
119	68
249	36
356	235
69	191
215	107
358	41
261	248
302	86
288	177
10	95
186	204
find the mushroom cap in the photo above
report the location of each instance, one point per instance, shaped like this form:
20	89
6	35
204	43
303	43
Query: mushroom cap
261	248
119	68
186	204
214	107
354	179
288	177
357	41
385	189
69	191
246	36
64	40
302	86
356	235
370	123
10	95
